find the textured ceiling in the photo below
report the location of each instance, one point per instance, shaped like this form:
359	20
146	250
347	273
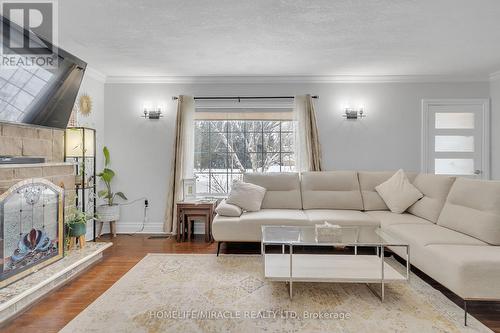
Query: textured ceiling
270	37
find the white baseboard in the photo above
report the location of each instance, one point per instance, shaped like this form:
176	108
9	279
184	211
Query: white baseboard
133	228
149	228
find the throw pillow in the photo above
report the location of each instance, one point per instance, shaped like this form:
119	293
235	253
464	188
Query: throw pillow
226	209
398	193
248	196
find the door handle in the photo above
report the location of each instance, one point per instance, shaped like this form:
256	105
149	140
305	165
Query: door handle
478	172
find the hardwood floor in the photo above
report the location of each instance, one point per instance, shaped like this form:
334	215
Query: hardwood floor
71	299
57	309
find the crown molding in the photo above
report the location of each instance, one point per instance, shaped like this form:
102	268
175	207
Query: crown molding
495	76
293	79
95	74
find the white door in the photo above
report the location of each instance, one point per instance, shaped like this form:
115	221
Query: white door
455	137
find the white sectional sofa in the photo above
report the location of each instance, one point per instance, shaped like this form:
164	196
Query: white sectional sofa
453	231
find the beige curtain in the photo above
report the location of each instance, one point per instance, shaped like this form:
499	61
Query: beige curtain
182	159
308	150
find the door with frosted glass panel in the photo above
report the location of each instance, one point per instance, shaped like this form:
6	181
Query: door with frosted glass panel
455	137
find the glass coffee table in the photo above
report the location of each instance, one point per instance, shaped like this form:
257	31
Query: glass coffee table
339	268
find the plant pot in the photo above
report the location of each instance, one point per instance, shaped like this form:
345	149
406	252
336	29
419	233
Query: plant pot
107	213
77	229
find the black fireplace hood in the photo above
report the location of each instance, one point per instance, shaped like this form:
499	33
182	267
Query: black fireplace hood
37	95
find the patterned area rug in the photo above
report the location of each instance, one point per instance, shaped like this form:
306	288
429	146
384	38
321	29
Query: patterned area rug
205	293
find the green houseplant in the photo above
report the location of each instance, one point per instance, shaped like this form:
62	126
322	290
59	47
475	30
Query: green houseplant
76	223
110	211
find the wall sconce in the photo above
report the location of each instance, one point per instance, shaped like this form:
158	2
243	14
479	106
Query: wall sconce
353	114
152	113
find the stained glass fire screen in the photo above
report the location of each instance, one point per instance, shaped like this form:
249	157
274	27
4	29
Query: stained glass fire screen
31	233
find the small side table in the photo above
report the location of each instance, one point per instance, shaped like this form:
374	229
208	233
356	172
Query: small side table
188	210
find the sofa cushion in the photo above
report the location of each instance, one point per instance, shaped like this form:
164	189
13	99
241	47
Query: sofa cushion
341	217
331	190
423	234
368	180
420	236
276	217
248	196
398	193
473	207
247	227
227	209
469	271
282	189
435	189
387	218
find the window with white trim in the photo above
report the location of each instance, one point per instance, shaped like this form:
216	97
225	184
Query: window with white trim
229	143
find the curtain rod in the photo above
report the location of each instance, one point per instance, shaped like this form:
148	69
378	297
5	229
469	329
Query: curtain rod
239	98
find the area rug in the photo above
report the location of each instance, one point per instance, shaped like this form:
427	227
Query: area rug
205	293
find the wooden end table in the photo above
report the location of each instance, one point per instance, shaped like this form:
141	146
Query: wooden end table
187	211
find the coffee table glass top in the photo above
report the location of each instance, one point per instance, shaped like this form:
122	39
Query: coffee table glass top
347	236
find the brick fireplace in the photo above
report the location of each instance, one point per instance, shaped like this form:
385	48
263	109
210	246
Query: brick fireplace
31	206
36	239
31	141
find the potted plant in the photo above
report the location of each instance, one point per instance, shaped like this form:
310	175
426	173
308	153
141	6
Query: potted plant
110	211
77	223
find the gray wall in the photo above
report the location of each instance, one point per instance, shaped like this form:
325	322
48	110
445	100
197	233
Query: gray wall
388	138
495	129
95	89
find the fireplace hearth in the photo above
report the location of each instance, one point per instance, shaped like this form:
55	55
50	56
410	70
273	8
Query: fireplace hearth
31	228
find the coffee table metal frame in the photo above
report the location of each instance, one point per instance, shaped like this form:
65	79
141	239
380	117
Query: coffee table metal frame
379	246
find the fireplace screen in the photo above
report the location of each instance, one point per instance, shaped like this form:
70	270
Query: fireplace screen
31	233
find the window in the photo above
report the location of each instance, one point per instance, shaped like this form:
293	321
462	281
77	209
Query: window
19	87
225	149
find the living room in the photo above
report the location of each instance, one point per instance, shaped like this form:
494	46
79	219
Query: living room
250	166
